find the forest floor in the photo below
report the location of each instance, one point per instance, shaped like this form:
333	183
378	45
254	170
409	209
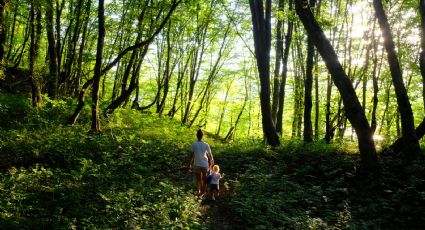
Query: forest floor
133	176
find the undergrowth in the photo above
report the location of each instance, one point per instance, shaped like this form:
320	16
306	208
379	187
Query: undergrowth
317	186
133	176
62	177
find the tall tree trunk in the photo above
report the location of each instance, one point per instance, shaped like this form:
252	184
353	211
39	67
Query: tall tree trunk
34	33
308	101
53	62
3	9
72	43
262	40
354	111
375	75
79	73
316	95
279	48
411	144
197	57
95	126
59	8
422	55
12	33
288	39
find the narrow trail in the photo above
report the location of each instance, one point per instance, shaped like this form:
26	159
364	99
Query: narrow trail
217	214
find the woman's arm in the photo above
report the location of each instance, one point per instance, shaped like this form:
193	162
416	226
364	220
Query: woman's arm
210	160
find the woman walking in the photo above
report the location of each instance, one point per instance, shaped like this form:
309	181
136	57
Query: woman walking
201	161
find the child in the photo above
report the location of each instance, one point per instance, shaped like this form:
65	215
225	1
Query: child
215	181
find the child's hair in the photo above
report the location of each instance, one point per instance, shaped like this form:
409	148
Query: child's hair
216	168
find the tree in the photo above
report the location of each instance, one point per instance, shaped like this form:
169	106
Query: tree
308	101
262	41
353	109
95	126
411	144
279	49
288	39
53	61
35	32
3	9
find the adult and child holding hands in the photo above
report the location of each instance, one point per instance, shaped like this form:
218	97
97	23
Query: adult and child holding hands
202	164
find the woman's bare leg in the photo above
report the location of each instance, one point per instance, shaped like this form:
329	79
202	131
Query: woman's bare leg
203	182
199	182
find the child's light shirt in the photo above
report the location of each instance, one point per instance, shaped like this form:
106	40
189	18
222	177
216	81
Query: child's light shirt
215	178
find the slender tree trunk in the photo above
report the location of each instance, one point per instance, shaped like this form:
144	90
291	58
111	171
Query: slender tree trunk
374	79
422	55
181	74
277	77
80	105
12	34
308	101
35	90
262	40
354	111
288	39
220	122
387	102
79	73
3	11
53	62
125	95
59	8
95	126
167	73
317	101
72	43
411	144
212	76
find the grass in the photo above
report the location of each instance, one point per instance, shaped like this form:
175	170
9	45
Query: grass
132	176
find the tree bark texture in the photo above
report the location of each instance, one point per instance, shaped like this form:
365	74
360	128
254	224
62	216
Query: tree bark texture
353	109
262	41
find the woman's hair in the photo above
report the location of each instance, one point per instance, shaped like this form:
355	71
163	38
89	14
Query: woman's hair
216	168
199	134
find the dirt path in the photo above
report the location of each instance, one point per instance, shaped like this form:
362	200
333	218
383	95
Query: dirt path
217	214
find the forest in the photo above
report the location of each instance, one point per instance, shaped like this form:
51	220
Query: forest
313	109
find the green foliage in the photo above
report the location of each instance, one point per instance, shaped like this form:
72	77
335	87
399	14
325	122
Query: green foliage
317	187
129	177
132	176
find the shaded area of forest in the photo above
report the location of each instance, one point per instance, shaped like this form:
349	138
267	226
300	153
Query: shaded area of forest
133	176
